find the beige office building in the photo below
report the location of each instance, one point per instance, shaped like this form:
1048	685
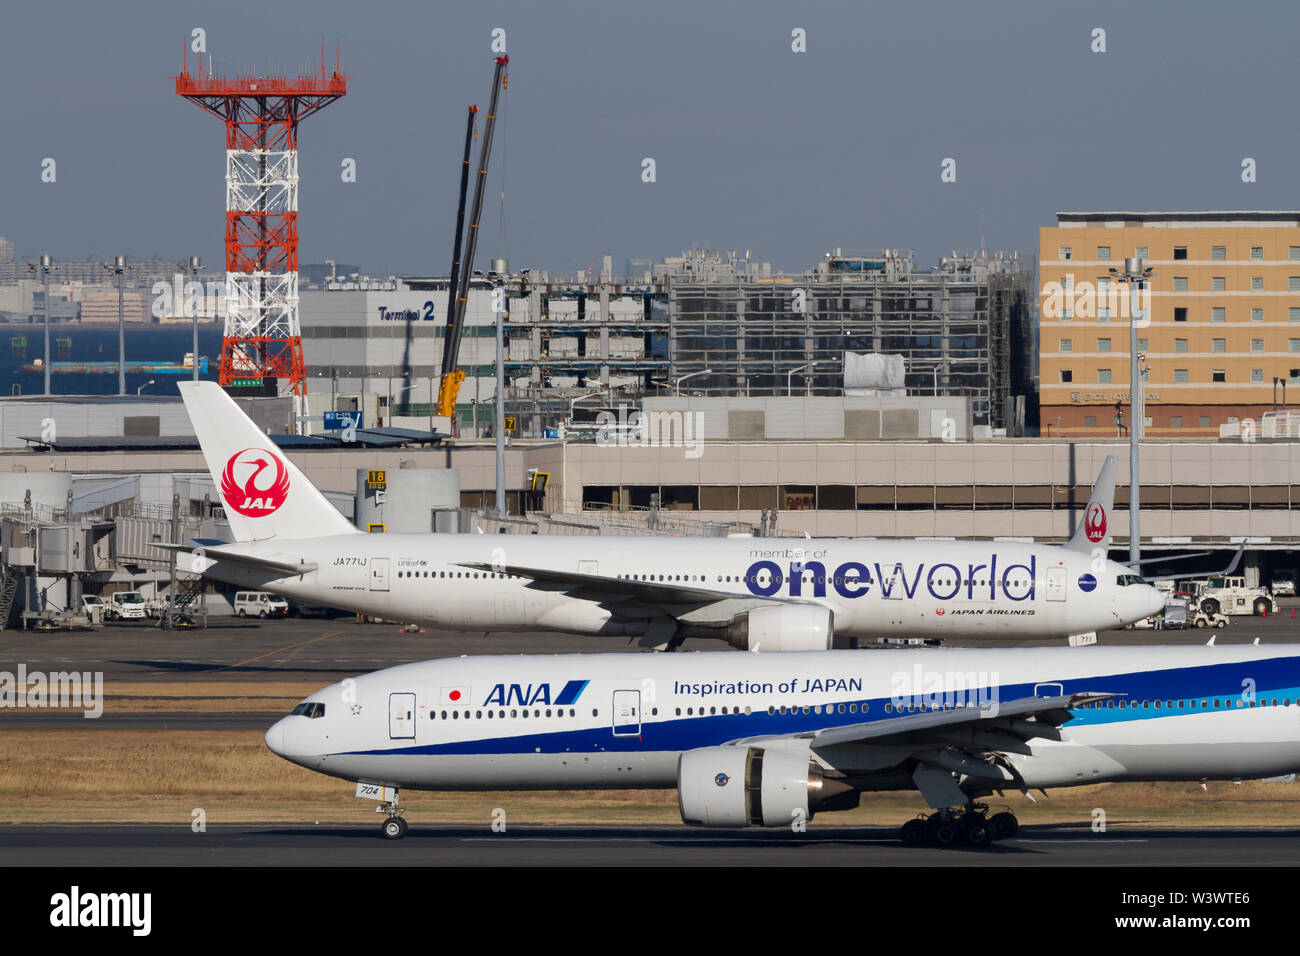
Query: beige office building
1224	319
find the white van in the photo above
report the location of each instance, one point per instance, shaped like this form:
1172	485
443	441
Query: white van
261	604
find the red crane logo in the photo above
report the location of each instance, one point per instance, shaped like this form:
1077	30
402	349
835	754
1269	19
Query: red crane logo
253	498
1094	524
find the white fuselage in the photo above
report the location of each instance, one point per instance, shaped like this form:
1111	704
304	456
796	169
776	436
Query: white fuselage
874	588
623	720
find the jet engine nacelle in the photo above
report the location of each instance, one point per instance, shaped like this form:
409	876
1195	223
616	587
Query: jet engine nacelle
753	786
783	627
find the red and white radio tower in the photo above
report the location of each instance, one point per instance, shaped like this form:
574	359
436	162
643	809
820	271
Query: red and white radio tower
263	339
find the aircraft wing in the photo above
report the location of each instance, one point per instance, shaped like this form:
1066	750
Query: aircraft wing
1022	719
693	603
970	742
657	592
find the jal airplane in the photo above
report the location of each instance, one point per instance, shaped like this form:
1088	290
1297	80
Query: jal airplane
755	593
763	740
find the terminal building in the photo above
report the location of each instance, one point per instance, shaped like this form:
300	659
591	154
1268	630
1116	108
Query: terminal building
1223	341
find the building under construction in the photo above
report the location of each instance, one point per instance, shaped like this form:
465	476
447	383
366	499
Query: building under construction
963	328
859	324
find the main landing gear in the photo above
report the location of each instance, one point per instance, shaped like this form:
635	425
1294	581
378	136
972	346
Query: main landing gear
969	826
394	827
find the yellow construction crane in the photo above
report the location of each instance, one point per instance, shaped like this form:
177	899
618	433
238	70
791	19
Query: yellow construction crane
458	288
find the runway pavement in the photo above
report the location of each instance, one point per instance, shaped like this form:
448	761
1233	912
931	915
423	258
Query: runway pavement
261	845
324	651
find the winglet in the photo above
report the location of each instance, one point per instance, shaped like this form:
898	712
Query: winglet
1093	531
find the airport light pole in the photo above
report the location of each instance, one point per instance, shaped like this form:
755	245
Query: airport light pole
45	268
582	398
500	429
194	264
789	378
119	268
677	384
139	390
1136	275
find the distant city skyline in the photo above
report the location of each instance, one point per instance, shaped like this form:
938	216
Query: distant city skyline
755	144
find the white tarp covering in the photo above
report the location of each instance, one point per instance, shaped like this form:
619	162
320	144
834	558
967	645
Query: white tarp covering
875	371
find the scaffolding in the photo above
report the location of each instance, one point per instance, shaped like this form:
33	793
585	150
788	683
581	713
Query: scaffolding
961	328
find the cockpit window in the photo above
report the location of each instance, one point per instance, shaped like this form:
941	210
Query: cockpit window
1124	580
313	709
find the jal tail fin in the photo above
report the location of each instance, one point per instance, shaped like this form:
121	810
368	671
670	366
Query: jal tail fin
1093	531
263	492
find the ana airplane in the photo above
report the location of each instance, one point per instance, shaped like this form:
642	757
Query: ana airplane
763	740
769	594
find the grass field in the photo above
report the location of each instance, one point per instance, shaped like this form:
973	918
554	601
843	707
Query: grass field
163	776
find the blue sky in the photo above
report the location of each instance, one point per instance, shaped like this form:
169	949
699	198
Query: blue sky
755	146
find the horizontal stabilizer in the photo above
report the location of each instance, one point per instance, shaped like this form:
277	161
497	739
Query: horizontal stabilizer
283	564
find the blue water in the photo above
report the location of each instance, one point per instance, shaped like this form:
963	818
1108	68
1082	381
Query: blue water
98	343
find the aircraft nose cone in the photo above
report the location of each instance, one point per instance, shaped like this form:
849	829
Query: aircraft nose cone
275	738
1155	601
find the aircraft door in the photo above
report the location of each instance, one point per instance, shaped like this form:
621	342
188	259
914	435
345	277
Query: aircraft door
891	583
1056	584
1049	690
589	567
401	716
627	713
379	574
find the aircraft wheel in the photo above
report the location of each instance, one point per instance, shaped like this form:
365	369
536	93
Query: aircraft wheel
395	828
1003	825
913	832
976	831
943	832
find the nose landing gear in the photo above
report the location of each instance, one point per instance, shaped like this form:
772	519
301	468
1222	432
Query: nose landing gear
394	827
969	826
